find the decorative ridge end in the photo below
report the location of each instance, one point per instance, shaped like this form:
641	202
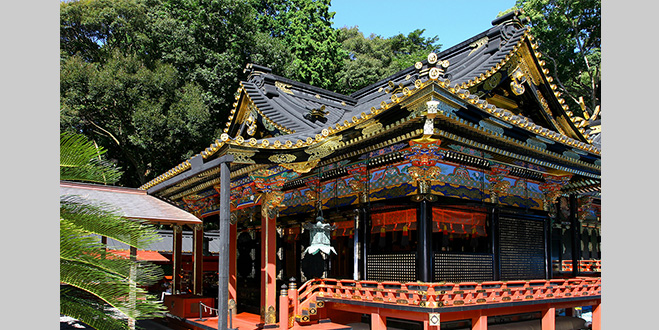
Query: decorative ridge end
515	15
252	68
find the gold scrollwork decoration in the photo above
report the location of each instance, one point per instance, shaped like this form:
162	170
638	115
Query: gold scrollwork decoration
270	315
243	156
502	187
323	149
478	44
282	158
492	82
372	128
272	201
284	87
303	167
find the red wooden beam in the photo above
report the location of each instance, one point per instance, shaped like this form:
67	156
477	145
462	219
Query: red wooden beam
597	317
378	321
549	319
479	322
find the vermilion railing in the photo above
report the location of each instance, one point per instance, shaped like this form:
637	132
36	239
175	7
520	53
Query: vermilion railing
303	304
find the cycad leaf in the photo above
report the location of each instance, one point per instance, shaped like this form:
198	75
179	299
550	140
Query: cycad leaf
80	161
88	311
104	279
105	221
77	245
111	288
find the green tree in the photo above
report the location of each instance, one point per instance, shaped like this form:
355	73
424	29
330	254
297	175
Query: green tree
116	89
374	58
209	42
569	35
153	81
97	282
94	29
305	27
146	118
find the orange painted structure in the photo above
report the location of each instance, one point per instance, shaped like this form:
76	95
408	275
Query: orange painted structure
187	305
429	303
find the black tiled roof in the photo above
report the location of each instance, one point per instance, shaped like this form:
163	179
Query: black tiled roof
291	111
467	61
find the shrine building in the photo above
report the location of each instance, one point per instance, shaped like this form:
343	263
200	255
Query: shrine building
461	190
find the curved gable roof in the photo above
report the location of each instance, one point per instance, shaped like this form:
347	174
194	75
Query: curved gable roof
296	116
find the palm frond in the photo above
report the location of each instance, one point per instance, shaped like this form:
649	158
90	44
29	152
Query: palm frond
77	245
105	221
100	282
88	311
80	161
115	290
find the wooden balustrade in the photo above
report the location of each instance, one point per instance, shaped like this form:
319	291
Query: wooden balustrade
433	295
450	294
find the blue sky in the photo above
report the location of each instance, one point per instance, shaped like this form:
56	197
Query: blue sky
452	21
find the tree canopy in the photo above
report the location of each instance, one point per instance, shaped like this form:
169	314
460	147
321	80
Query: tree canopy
305	28
373	58
569	35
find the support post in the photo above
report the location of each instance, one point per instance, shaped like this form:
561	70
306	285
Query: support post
366	239
132	298
496	261
428	326
549	319
479	322
424	246
378	322
104	241
176	258
198	260
268	264
293	296
356	256
547	231
224	255
576	237
569	311
233	280
283	307
360	184
270	183
597	317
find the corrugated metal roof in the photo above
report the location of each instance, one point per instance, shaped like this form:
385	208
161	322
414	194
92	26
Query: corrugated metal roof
129	202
